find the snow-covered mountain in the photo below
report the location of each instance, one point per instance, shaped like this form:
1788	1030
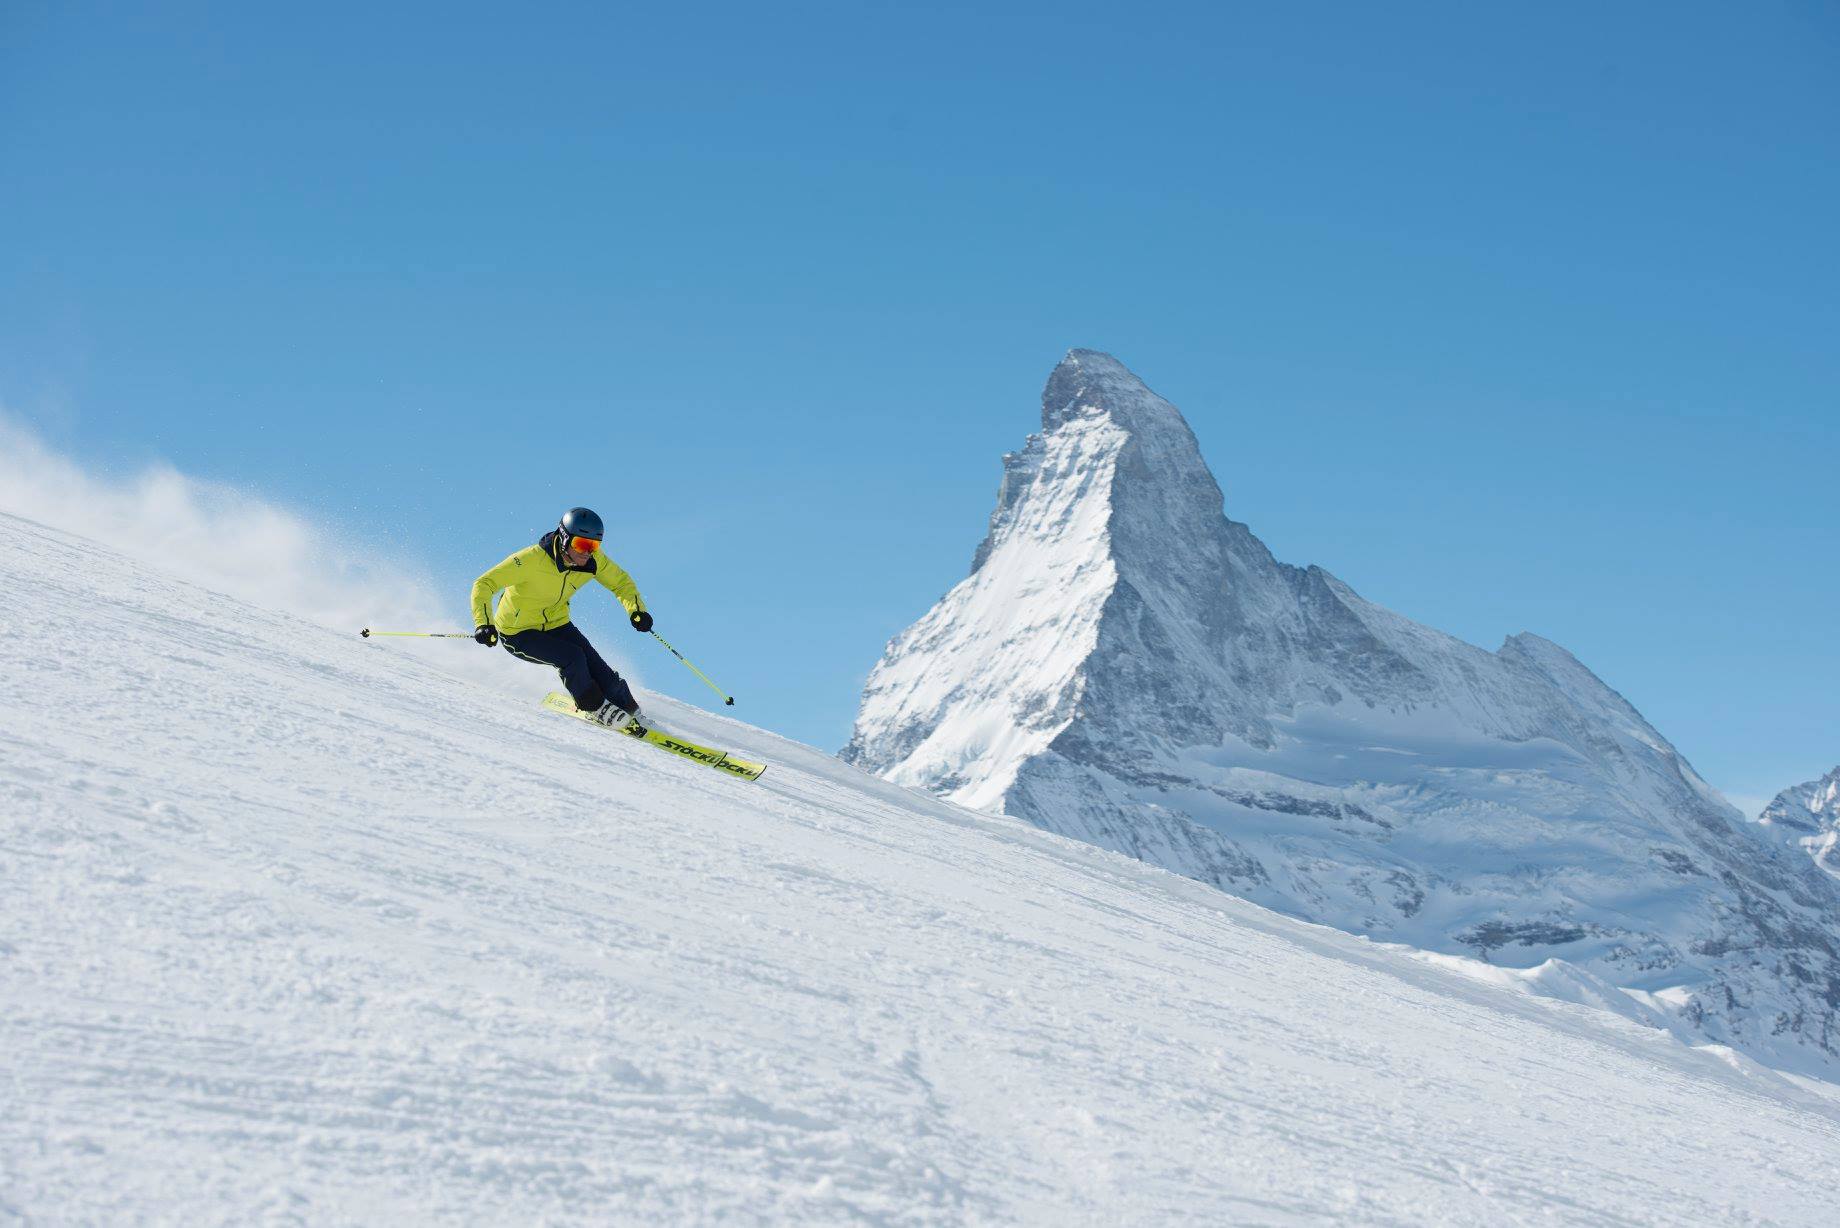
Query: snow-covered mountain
1127	666
1809	817
296	928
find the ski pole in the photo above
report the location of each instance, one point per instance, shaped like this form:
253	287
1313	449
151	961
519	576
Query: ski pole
424	635
726	697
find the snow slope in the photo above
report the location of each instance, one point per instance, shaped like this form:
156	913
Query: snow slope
296	928
1127	666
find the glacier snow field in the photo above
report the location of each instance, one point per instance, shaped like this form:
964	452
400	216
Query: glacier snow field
296	928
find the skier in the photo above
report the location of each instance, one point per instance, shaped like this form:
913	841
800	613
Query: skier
532	618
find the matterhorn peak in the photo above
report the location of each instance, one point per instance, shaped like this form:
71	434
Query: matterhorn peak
1089	382
1088	385
1127	666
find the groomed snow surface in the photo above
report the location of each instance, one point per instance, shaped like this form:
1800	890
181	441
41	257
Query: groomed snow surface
296	927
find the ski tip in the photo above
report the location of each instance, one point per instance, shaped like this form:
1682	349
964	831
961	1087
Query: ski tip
366	633
731	701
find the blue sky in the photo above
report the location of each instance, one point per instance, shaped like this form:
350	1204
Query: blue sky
1516	318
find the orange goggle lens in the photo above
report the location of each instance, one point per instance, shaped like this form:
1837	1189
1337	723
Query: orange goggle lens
583	545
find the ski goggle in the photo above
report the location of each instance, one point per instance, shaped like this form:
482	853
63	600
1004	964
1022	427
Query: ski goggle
583	545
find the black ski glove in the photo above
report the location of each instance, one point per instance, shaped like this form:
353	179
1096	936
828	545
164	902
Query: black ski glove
486	634
641	620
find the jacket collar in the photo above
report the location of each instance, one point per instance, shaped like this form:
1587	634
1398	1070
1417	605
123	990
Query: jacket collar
552	546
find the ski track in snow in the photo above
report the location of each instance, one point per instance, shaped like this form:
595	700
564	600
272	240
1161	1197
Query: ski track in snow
297	929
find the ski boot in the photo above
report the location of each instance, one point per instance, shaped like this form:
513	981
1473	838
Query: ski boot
613	716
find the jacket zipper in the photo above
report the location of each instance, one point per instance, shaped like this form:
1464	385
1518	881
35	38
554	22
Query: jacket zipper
561	595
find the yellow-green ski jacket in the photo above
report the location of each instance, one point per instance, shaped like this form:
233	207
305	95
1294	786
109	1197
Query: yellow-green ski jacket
538	585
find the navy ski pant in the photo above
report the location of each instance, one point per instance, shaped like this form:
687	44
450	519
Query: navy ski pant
588	678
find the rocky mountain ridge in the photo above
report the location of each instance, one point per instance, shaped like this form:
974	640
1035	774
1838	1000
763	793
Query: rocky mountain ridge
1809	816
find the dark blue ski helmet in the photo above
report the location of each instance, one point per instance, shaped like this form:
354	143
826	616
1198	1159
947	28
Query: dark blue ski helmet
580	522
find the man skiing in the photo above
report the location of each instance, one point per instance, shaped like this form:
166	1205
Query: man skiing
532	618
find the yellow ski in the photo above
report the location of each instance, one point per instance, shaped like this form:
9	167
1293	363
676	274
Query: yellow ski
556	701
